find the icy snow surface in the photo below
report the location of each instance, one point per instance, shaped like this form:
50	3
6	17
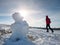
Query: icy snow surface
42	38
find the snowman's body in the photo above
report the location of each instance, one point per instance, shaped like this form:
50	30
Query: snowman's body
19	30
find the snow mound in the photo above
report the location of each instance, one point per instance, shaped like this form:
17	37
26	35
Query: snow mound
19	30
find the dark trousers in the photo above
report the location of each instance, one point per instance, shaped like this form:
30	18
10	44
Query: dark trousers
48	27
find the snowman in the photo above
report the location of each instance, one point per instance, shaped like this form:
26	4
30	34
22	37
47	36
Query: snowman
19	30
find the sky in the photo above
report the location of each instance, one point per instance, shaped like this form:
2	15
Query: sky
33	11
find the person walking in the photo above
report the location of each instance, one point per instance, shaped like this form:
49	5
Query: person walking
48	22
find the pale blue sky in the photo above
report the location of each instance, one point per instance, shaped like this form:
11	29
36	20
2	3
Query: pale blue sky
37	9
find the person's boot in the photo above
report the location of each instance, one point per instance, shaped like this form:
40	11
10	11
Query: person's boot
52	31
47	31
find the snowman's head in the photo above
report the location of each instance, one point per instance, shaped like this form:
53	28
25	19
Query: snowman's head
17	17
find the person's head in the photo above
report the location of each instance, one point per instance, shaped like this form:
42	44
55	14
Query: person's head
17	17
46	16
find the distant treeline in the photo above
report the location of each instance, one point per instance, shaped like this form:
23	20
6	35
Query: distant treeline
44	28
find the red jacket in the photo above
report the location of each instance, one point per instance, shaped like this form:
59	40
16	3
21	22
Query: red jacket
47	20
